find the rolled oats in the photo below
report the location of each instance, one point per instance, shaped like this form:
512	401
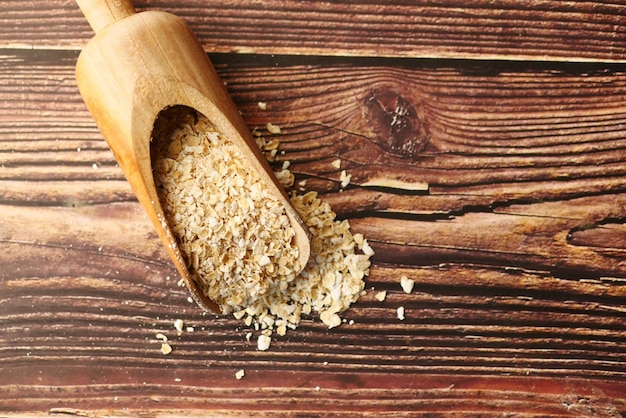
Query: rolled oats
221	213
237	238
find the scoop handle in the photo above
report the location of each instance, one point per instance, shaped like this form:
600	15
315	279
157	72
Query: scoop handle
101	13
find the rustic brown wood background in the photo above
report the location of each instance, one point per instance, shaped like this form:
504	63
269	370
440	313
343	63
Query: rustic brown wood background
487	145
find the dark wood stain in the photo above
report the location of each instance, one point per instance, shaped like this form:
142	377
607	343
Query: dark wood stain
398	127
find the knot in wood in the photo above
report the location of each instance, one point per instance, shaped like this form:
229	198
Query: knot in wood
397	126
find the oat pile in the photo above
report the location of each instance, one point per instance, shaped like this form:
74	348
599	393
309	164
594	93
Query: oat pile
236	238
235	235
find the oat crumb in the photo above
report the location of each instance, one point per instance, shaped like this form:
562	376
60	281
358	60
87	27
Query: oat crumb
345	178
400	313
331	319
262	105
367	250
336	164
273	129
166	348
381	296
359	239
407	284
179	324
240	374
263	343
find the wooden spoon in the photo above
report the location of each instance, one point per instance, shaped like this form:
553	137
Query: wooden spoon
139	64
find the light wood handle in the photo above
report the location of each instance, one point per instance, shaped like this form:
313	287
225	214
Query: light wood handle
101	13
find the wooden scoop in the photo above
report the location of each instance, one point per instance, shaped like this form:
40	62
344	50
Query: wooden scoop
139	64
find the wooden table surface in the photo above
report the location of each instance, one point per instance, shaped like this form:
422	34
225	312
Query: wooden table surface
486	142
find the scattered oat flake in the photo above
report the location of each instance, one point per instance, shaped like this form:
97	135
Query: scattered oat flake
336	164
161	337
281	330
179	324
240	374
345	178
273	129
407	284
262	105
263	343
380	296
367	250
331	319
400	313
166	348
285	178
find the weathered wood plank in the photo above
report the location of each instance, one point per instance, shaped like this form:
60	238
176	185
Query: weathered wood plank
529	29
519	302
502	151
471	396
467	328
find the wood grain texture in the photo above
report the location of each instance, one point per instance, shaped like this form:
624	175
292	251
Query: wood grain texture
498	188
529	29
